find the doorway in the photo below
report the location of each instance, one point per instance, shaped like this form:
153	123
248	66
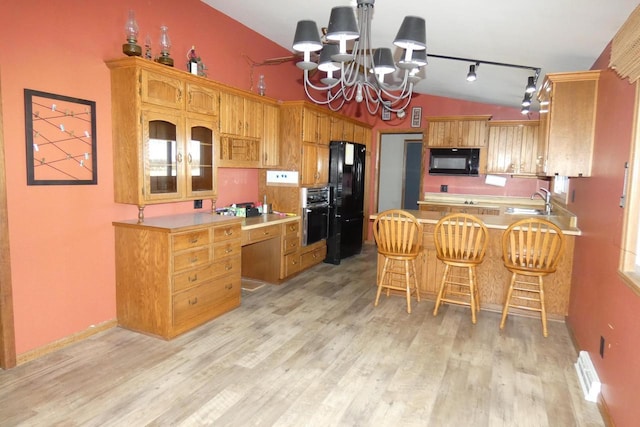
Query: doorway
400	170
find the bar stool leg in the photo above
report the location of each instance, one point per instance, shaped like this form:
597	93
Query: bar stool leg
407	281
472	294
441	291
507	301
382	276
543	310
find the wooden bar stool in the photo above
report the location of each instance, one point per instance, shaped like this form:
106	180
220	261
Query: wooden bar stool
398	235
461	241
531	248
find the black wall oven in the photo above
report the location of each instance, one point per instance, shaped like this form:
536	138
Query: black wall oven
315	214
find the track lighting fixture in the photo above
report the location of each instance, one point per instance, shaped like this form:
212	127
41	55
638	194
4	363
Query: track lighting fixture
471	75
531	84
525	110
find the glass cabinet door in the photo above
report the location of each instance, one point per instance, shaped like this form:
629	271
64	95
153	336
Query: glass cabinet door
163	156
199	165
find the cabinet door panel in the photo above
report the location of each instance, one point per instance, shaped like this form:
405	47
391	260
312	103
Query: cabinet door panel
202	100
163	154
160	89
199	160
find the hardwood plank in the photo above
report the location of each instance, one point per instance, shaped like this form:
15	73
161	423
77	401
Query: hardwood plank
311	351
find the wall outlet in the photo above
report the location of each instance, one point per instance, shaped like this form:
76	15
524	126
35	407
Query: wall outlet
444	188
602	347
197	204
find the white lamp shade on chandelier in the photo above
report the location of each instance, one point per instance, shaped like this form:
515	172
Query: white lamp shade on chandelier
359	73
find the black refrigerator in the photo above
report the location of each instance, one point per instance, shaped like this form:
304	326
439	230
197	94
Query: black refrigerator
346	200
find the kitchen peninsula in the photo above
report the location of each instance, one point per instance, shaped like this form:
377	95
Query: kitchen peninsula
493	277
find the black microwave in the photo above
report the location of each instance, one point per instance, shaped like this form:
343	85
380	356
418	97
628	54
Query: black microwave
454	161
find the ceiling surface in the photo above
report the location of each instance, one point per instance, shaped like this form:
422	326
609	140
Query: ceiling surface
553	35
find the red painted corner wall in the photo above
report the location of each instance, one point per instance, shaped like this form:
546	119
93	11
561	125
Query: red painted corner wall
62	248
601	304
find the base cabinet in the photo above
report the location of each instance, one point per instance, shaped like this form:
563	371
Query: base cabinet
177	272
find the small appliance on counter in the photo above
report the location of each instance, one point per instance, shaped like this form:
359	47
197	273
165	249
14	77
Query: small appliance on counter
246	209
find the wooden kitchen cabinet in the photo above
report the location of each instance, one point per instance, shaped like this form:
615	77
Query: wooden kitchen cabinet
271	136
165	125
177	272
567	123
457	131
290	262
315	164
316	127
512	147
469	209
341	129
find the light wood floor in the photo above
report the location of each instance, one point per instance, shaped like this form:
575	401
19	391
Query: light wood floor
311	352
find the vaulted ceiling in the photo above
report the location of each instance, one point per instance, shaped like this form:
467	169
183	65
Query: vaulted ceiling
553	35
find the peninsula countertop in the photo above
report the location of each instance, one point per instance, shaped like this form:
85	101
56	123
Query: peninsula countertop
499	222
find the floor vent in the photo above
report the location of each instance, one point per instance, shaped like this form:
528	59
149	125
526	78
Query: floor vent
588	377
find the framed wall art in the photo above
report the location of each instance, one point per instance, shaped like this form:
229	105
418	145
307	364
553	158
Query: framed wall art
416	117
61	139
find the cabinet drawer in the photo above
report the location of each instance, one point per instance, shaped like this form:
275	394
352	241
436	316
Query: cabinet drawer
191	239
202	301
290	244
191	259
227	232
313	257
226	249
291	264
192	278
291	228
261	233
226	266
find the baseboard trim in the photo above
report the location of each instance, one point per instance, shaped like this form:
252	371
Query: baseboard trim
65	342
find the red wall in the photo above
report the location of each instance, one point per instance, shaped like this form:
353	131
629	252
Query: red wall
601	304
61	237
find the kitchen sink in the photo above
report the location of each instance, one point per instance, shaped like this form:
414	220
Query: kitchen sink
524	211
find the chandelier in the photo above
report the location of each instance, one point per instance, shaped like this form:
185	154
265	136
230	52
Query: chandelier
362	71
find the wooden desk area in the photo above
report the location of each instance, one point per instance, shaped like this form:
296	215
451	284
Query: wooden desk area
267	244
493	277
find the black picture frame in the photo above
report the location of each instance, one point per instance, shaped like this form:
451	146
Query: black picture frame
61	139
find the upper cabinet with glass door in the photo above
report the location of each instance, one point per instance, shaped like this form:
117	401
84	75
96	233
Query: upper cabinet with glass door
165	124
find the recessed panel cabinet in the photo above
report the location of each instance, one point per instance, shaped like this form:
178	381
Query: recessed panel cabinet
567	123
174	273
512	147
165	124
457	131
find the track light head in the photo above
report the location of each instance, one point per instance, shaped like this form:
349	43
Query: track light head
531	85
471	75
526	101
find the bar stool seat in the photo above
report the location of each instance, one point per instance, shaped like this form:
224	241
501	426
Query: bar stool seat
461	241
531	249
398	235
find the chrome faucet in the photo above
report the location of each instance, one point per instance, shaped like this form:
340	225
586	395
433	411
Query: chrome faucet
545	195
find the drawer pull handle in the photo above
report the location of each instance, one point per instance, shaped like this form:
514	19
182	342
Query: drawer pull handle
193	301
229	286
228	267
194	259
228	232
266	232
194	240
228	250
194	278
